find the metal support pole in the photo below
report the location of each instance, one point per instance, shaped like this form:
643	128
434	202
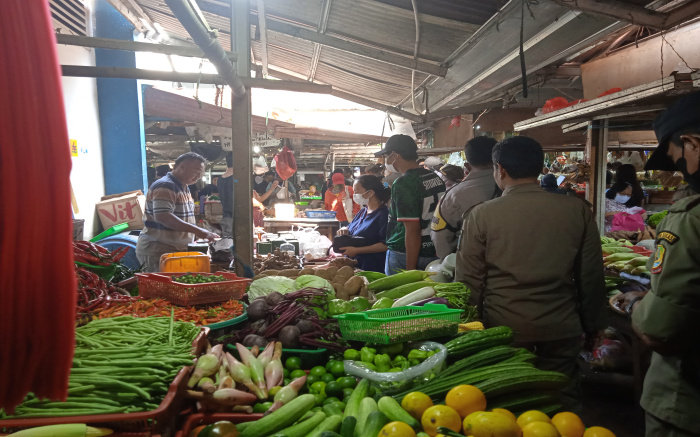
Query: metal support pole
241	144
597	153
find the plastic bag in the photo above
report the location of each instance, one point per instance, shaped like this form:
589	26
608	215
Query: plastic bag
392	382
456	159
627	222
285	163
554	104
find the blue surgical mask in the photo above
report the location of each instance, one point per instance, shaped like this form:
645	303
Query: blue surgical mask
621	198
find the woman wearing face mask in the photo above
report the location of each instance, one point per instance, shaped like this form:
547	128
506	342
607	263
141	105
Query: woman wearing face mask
369	223
339	198
616	200
626	173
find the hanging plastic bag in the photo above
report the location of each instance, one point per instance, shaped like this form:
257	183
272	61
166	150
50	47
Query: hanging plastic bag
456	159
259	165
286	165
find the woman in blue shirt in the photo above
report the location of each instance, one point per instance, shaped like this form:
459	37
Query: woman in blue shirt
370	223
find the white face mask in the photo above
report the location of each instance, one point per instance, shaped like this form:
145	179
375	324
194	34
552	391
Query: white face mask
359	199
390	167
621	198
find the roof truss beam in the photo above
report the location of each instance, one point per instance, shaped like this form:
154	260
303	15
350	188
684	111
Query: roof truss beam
638	15
134	46
262	23
322	25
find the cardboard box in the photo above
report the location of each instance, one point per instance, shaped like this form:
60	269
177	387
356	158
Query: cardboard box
122	208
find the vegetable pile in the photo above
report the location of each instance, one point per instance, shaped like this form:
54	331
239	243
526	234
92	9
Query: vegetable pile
277	260
94	292
162	308
387	358
655	219
199	278
342	280
120	365
622	256
295	319
96	255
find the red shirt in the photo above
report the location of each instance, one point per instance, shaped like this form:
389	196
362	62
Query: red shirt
334	202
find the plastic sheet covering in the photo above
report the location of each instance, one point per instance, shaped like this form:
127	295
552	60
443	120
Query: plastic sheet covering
37	285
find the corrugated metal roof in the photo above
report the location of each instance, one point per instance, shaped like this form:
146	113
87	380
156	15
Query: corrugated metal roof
475	12
389	25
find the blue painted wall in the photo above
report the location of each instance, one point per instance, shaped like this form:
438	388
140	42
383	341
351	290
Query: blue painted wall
121	109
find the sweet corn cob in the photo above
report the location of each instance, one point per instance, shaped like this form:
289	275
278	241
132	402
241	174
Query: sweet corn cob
471	326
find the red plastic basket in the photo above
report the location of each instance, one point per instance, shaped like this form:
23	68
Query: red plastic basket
198	419
145	423
161	285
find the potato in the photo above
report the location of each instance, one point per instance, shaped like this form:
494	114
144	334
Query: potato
338	287
346	271
331	272
353	285
364	292
307	271
341	294
323	273
271	272
341	279
290	273
259	276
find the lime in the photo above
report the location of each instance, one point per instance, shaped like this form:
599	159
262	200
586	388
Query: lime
330	364
293	363
334	389
286	381
273	391
318	371
285	373
338	369
347	382
319	398
318	387
261	407
312	379
328	378
331	399
347	392
296	374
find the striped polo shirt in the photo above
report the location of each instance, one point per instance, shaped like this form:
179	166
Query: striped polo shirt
167	194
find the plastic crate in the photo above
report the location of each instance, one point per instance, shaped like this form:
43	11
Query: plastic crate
309	357
225	327
396	325
158	421
199	419
320	214
184	262
161	285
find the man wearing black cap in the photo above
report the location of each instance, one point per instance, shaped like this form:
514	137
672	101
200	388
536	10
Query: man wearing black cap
414	196
668	317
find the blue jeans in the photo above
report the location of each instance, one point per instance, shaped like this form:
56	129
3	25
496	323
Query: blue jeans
396	261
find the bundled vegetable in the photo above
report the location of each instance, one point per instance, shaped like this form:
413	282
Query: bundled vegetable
393	281
120	365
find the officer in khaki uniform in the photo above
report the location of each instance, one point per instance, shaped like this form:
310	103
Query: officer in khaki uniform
533	262
668	317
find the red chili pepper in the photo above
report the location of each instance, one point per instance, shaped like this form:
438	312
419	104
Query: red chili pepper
121	254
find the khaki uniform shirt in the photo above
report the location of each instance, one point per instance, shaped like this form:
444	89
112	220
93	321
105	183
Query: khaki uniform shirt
479	186
670	313
533	262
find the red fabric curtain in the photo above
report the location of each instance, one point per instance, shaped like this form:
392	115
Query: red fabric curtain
37	284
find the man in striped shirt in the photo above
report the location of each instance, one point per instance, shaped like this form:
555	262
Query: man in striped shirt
169	224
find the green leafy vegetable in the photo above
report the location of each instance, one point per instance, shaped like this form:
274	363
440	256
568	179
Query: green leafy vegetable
268	284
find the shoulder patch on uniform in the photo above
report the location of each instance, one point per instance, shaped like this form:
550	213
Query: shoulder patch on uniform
658	259
669	237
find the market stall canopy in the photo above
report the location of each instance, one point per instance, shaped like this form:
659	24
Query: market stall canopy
370	52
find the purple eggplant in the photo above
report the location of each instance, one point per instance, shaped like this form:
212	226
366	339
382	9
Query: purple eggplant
420	303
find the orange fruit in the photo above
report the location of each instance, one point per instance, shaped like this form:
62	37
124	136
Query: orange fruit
440	415
540	429
506	412
532	416
568	424
490	424
415	403
195	432
466	399
397	429
598	431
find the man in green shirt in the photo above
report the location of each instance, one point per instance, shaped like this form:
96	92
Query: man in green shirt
667	318
414	197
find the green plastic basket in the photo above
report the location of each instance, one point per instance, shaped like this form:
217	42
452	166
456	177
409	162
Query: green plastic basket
309	357
225	327
396	325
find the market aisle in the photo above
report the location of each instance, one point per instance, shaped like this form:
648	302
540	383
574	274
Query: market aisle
611	406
